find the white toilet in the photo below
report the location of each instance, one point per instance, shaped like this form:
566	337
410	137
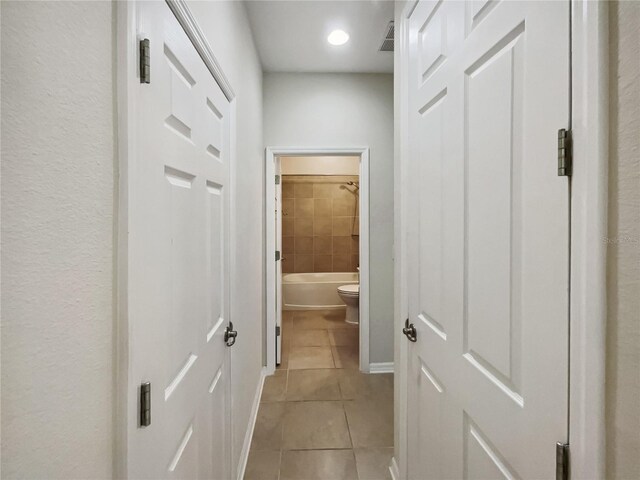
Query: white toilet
350	295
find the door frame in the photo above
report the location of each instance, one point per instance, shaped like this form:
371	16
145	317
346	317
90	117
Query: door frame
127	82
270	243
588	186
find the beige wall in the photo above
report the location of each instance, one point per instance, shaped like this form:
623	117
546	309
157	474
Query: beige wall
320	224
623	257
325	165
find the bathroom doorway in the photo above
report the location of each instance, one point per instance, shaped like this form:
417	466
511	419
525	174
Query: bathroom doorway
317	260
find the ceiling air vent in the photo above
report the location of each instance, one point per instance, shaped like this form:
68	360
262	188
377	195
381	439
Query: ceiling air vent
387	43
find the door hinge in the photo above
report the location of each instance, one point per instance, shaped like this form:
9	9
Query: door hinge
277	330
277	255
145	61
277	179
565	157
145	404
562	461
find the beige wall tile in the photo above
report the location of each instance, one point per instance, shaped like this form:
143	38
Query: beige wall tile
355	262
303	263
303	207
322	245
287	227
287	190
344	206
287	264
287	244
322	263
303	245
322	207
342	191
342	226
304	226
341	245
355	244
303	190
322	190
341	263
287	207
322	226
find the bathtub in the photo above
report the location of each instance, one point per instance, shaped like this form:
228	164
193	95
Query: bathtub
314	291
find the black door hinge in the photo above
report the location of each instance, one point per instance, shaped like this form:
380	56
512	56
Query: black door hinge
145	61
145	404
565	155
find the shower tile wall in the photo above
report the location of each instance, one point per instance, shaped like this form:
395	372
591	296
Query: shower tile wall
320	224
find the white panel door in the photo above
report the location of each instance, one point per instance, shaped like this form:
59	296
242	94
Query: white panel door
488	246
178	260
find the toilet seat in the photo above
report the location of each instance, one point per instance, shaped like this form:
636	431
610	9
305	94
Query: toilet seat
352	290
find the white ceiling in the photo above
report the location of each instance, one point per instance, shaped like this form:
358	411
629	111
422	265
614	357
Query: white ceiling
291	36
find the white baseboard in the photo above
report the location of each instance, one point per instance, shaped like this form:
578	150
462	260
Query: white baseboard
244	453
393	469
382	367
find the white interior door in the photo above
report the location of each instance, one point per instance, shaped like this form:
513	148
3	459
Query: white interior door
488	245
178	260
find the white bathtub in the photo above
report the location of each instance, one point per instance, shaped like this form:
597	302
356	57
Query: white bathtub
314	291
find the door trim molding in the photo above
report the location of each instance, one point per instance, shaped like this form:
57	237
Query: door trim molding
590	124
201	44
400	178
588	302
270	245
246	446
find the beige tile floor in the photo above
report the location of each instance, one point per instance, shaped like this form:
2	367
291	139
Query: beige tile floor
319	417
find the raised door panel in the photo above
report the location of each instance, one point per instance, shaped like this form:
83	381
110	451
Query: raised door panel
493	212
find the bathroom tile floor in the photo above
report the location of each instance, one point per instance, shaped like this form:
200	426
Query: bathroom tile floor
319	417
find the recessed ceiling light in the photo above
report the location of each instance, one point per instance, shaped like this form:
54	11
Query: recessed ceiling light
338	37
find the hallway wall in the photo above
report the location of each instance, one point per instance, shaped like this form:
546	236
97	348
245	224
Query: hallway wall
58	162
346	110
623	244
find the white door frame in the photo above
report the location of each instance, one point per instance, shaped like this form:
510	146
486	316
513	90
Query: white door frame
590	124
127	80
270	243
